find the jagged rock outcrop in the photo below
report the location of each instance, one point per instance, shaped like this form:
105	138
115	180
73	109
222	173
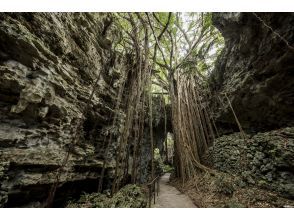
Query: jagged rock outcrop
255	69
48	65
265	159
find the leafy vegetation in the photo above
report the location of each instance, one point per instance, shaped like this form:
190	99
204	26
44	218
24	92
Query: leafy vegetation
176	40
130	196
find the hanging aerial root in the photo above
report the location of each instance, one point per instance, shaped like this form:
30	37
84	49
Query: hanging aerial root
191	126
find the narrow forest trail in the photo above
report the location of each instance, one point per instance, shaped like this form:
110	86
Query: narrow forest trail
170	197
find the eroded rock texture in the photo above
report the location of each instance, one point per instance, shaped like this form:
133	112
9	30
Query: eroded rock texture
255	69
265	159
48	65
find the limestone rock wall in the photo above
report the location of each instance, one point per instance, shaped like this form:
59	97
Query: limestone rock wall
48	64
255	69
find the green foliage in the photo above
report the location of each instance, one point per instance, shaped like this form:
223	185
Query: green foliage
163	17
130	196
191	34
157	154
170	141
225	185
207	20
167	168
159	166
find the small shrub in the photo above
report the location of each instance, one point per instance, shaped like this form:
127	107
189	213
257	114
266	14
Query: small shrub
130	196
225	185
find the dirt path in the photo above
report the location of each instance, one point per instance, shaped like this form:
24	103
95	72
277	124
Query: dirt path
170	197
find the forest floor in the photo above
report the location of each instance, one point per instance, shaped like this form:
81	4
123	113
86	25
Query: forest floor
221	191
170	197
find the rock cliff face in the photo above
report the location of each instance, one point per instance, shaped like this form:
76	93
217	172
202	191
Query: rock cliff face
48	65
255	69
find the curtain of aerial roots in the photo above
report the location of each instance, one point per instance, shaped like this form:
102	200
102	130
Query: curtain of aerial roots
133	125
191	125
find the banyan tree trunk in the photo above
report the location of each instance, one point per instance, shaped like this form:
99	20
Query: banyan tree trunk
191	125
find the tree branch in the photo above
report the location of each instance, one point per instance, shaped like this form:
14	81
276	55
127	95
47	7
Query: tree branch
157	42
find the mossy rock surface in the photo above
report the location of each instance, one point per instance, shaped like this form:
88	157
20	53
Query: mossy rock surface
265	160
